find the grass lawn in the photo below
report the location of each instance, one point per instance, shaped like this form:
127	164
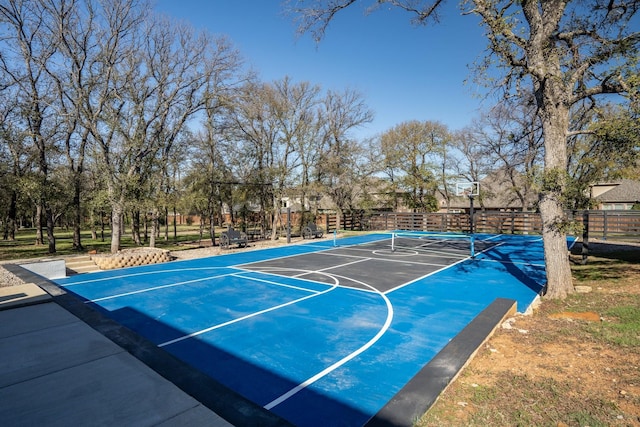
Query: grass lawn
24	247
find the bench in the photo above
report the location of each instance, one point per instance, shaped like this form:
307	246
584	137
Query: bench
311	230
233	237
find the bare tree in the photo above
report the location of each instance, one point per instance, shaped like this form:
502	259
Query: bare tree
509	138
338	168
565	52
27	49
272	122
414	150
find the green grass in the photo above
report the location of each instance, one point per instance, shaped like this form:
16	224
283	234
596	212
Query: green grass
24	247
622	326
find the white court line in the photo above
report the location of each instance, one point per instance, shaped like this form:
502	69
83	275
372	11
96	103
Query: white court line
382	259
248	316
307	272
440	269
155	288
345	359
325	249
433	253
333	267
145	273
271	282
575	240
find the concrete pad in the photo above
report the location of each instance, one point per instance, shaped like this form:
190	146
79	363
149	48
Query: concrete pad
117	390
34	354
21	295
33	318
195	417
55	370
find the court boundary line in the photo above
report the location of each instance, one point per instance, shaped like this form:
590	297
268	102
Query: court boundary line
441	269
435	253
328	370
386	259
173	270
250	315
155	288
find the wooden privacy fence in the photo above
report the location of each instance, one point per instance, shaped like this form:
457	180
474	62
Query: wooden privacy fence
598	223
610	224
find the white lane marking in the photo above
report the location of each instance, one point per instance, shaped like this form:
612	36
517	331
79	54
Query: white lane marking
145	273
333	267
439	270
248	316
345	359
155	288
271	282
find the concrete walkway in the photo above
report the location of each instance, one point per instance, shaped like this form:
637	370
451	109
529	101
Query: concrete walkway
55	370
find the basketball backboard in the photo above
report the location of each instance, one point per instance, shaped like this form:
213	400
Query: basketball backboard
468	189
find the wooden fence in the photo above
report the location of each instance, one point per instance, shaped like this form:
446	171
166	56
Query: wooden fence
610	224
600	224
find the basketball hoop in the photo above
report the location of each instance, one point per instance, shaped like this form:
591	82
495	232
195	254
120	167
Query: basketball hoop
470	190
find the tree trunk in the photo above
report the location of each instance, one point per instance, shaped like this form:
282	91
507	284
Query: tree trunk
77	215
135	227
10	232
116	228
101	226
554	219
51	238
38	224
154	228
212	227
175	226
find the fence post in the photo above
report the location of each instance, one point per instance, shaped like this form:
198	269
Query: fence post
604	225
289	225
585	236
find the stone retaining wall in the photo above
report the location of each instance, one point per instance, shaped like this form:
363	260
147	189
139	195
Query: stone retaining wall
131	258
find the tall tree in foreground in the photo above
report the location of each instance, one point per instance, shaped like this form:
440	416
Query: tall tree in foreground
565	51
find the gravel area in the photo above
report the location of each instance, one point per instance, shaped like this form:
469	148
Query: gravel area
8	279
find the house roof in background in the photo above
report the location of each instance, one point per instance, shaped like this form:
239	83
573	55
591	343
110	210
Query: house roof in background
625	190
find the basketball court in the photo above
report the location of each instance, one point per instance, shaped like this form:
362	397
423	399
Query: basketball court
355	331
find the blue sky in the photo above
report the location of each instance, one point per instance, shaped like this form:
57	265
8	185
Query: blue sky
404	72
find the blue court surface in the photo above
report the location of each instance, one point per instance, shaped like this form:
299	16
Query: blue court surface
324	333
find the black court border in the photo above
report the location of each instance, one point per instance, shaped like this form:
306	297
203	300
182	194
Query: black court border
407	406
